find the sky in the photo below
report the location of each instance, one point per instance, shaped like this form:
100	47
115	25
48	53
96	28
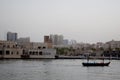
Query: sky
82	20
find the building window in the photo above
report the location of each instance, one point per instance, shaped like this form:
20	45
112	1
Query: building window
13	46
39	47
33	53
40	53
11	53
7	52
44	47
8	46
17	52
1	52
30	52
4	46
36	53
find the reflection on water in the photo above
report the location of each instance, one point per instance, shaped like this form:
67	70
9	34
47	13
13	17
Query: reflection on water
56	70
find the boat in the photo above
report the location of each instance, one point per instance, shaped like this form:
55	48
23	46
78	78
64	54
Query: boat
95	63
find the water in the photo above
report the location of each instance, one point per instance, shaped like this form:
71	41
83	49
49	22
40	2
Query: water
56	70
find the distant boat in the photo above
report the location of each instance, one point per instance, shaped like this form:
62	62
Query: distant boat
95	63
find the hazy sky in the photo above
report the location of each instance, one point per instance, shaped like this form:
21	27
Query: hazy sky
82	20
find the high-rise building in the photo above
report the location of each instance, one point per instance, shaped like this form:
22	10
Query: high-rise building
52	38
65	42
46	39
56	39
11	36
60	39
72	42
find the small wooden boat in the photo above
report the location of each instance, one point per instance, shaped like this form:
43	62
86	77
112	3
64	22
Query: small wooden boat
95	64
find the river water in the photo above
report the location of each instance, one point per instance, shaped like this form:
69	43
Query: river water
56	70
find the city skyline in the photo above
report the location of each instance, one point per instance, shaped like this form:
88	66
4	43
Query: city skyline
84	21
56	39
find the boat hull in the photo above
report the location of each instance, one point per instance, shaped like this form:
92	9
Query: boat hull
96	64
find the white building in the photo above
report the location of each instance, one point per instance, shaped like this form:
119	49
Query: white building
38	45
9	49
113	44
12	53
42	53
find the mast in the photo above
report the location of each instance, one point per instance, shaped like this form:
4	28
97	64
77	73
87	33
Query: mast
103	58
110	58
87	58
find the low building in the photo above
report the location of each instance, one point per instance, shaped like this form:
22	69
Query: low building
7	44
9	49
23	40
12	53
42	53
33	45
113	44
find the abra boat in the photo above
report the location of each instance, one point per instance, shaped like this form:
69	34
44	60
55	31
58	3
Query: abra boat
95	64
